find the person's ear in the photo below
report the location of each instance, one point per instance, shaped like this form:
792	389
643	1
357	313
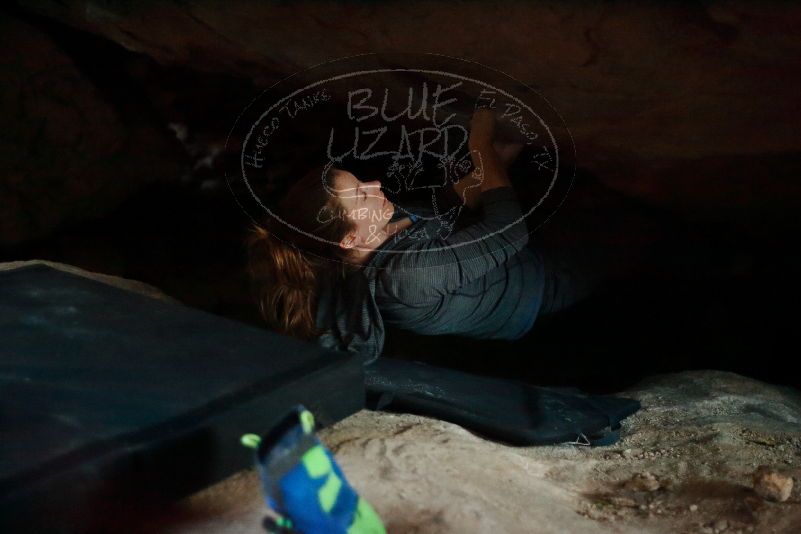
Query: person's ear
349	241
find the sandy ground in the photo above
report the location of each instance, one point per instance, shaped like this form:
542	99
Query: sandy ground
685	464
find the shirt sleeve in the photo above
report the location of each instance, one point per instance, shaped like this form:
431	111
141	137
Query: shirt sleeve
429	267
349	318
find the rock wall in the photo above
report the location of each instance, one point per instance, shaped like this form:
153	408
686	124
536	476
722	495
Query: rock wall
688	106
67	151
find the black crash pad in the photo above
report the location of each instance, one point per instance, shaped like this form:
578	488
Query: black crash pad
507	410
109	398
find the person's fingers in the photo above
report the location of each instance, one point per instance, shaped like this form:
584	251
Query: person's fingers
483	116
507	152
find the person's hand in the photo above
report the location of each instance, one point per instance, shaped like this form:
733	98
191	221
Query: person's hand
482	128
507	152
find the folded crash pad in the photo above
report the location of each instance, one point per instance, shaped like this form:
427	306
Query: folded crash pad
507	410
109	399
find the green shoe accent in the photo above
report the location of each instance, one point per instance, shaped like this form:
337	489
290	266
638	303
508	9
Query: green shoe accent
316	462
328	492
365	520
307	421
250	441
283	522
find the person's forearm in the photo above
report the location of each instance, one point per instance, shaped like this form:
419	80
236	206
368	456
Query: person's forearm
468	189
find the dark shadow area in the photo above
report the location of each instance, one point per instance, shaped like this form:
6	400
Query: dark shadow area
675	297
665	306
616	338
679	294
